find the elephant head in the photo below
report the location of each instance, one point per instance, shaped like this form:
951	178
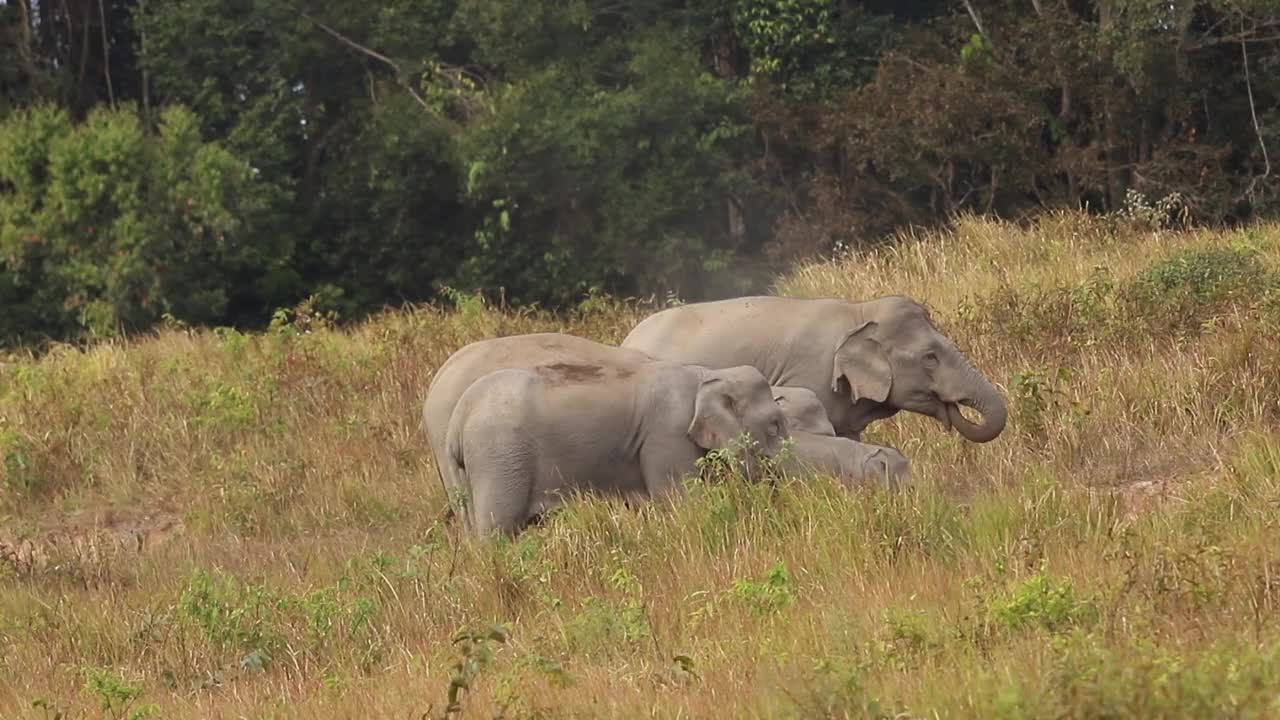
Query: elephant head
893	358
733	401
887	466
803	410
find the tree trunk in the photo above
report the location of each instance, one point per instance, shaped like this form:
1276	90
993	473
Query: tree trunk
84	99
142	58
725	61
106	52
1064	103
25	7
1112	157
27	52
737	222
1184	13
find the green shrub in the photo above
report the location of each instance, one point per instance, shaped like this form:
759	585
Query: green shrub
1204	276
602	625
769	595
107	226
256	621
909	632
230	615
1041	601
837	687
1181	293
20	475
1040	397
116	697
1175	296
223	406
1091	678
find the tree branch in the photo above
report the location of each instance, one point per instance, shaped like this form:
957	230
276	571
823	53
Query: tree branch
977	21
371	53
1248	84
106	53
1246	34
84	51
142	38
1229	40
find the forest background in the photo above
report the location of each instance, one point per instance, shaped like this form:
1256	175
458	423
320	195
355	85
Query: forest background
209	162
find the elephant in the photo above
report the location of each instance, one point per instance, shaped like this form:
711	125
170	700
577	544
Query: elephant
815	446
522	440
864	360
849	461
803	410
477	359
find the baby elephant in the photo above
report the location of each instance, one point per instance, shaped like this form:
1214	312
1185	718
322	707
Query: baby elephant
817	449
803	410
849	461
522	440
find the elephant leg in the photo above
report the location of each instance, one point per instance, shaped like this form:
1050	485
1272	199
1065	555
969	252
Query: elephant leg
664	470
500	496
496	513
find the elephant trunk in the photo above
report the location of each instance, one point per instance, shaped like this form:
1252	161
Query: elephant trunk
979	394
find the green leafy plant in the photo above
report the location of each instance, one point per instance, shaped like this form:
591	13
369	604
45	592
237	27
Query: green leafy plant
1040	395
477	653
20	475
107	225
49	709
231	615
769	595
116	697
1183	293
1042	601
602	625
909	632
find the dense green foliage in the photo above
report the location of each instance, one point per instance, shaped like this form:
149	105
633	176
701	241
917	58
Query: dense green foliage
107	227
380	152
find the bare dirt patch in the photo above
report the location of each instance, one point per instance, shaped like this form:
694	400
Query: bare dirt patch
90	536
1144	482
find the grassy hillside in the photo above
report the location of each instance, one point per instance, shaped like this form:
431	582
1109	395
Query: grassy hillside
209	524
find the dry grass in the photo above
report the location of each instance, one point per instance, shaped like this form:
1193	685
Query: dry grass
221	525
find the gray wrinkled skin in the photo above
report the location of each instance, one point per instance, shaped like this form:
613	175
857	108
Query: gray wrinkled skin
851	462
516	351
524	440
864	361
803	410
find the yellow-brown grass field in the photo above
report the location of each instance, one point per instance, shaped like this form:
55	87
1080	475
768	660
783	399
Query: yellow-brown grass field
209	524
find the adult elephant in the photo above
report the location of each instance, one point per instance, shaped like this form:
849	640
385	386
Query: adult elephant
482	357
522	441
864	360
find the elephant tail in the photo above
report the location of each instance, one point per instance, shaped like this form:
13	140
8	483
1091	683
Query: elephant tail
448	514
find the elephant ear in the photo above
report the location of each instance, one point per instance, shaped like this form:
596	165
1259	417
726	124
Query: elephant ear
862	362
715	422
803	411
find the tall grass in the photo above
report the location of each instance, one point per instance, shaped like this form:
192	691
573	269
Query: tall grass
212	524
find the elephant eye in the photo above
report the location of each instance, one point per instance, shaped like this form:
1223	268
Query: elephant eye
930	360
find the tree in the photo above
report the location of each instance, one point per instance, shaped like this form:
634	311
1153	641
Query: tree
612	175
104	226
